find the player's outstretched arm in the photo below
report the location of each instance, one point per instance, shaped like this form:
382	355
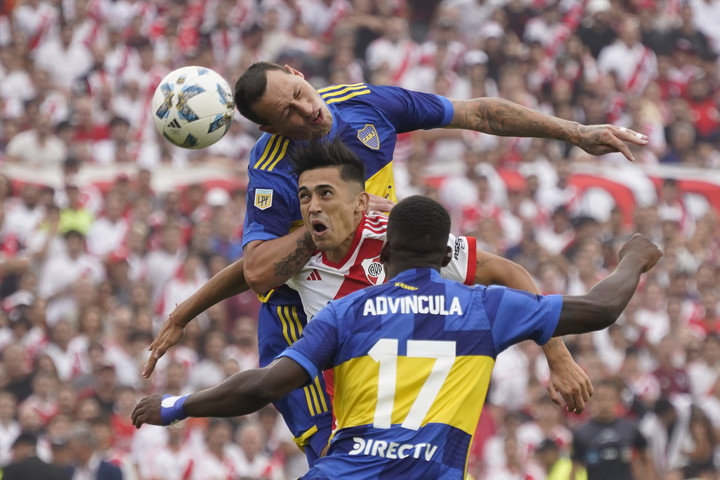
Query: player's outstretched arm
567	380
240	394
603	304
497	116
228	282
271	263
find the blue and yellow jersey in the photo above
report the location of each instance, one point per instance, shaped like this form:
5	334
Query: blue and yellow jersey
368	119
412	360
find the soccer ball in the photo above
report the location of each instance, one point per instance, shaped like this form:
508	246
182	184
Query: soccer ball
193	107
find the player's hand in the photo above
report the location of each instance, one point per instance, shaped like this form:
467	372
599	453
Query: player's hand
379	204
644	249
569	382
169	335
602	139
147	410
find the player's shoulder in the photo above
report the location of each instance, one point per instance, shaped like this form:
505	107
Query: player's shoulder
344	94
271	155
376	222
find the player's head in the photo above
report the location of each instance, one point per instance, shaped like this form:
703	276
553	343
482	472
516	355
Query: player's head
331	190
606	400
417	235
280	100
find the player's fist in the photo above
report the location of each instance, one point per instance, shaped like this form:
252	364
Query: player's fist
147	410
642	248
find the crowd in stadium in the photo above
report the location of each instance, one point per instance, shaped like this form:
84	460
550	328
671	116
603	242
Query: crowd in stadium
89	270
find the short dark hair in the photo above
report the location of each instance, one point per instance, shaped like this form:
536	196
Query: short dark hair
329	153
418	224
25	438
250	87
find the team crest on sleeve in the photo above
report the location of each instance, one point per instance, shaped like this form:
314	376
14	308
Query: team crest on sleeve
369	137
374	270
263	198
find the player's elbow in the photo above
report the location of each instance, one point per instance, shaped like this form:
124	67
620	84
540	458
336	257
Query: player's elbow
251	391
256	279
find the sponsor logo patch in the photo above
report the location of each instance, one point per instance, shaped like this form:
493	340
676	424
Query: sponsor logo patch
263	198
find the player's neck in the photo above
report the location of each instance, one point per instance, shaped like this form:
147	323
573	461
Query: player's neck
394	268
339	253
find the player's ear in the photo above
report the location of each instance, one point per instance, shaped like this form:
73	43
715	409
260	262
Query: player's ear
363	201
448	256
292	71
268	129
384	253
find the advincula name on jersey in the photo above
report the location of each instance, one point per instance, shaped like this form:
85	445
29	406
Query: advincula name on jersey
412	304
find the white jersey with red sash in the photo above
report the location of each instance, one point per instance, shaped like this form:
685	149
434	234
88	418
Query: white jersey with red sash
321	280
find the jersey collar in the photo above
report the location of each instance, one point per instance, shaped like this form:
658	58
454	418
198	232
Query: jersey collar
415	274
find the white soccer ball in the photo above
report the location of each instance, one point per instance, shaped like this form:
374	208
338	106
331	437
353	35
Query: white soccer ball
193	107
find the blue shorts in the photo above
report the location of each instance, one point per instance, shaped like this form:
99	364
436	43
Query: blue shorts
307	411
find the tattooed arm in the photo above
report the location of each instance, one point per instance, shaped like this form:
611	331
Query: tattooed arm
497	116
272	262
567	379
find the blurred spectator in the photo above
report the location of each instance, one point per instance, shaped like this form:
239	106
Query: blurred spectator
227	241
632	63
216	458
119	147
701	446
681	139
254	462
243	346
392	56
9	427
704	372
16	87
108	230
546	422
209	370
23	214
673	380
596	30
118	345
161	264
17	370
687	36
514	466
87	462
43	399
667	429
26	463
605	444
61	275
190	277
67	356
39	146
555	466
173	461
77	212
65	60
